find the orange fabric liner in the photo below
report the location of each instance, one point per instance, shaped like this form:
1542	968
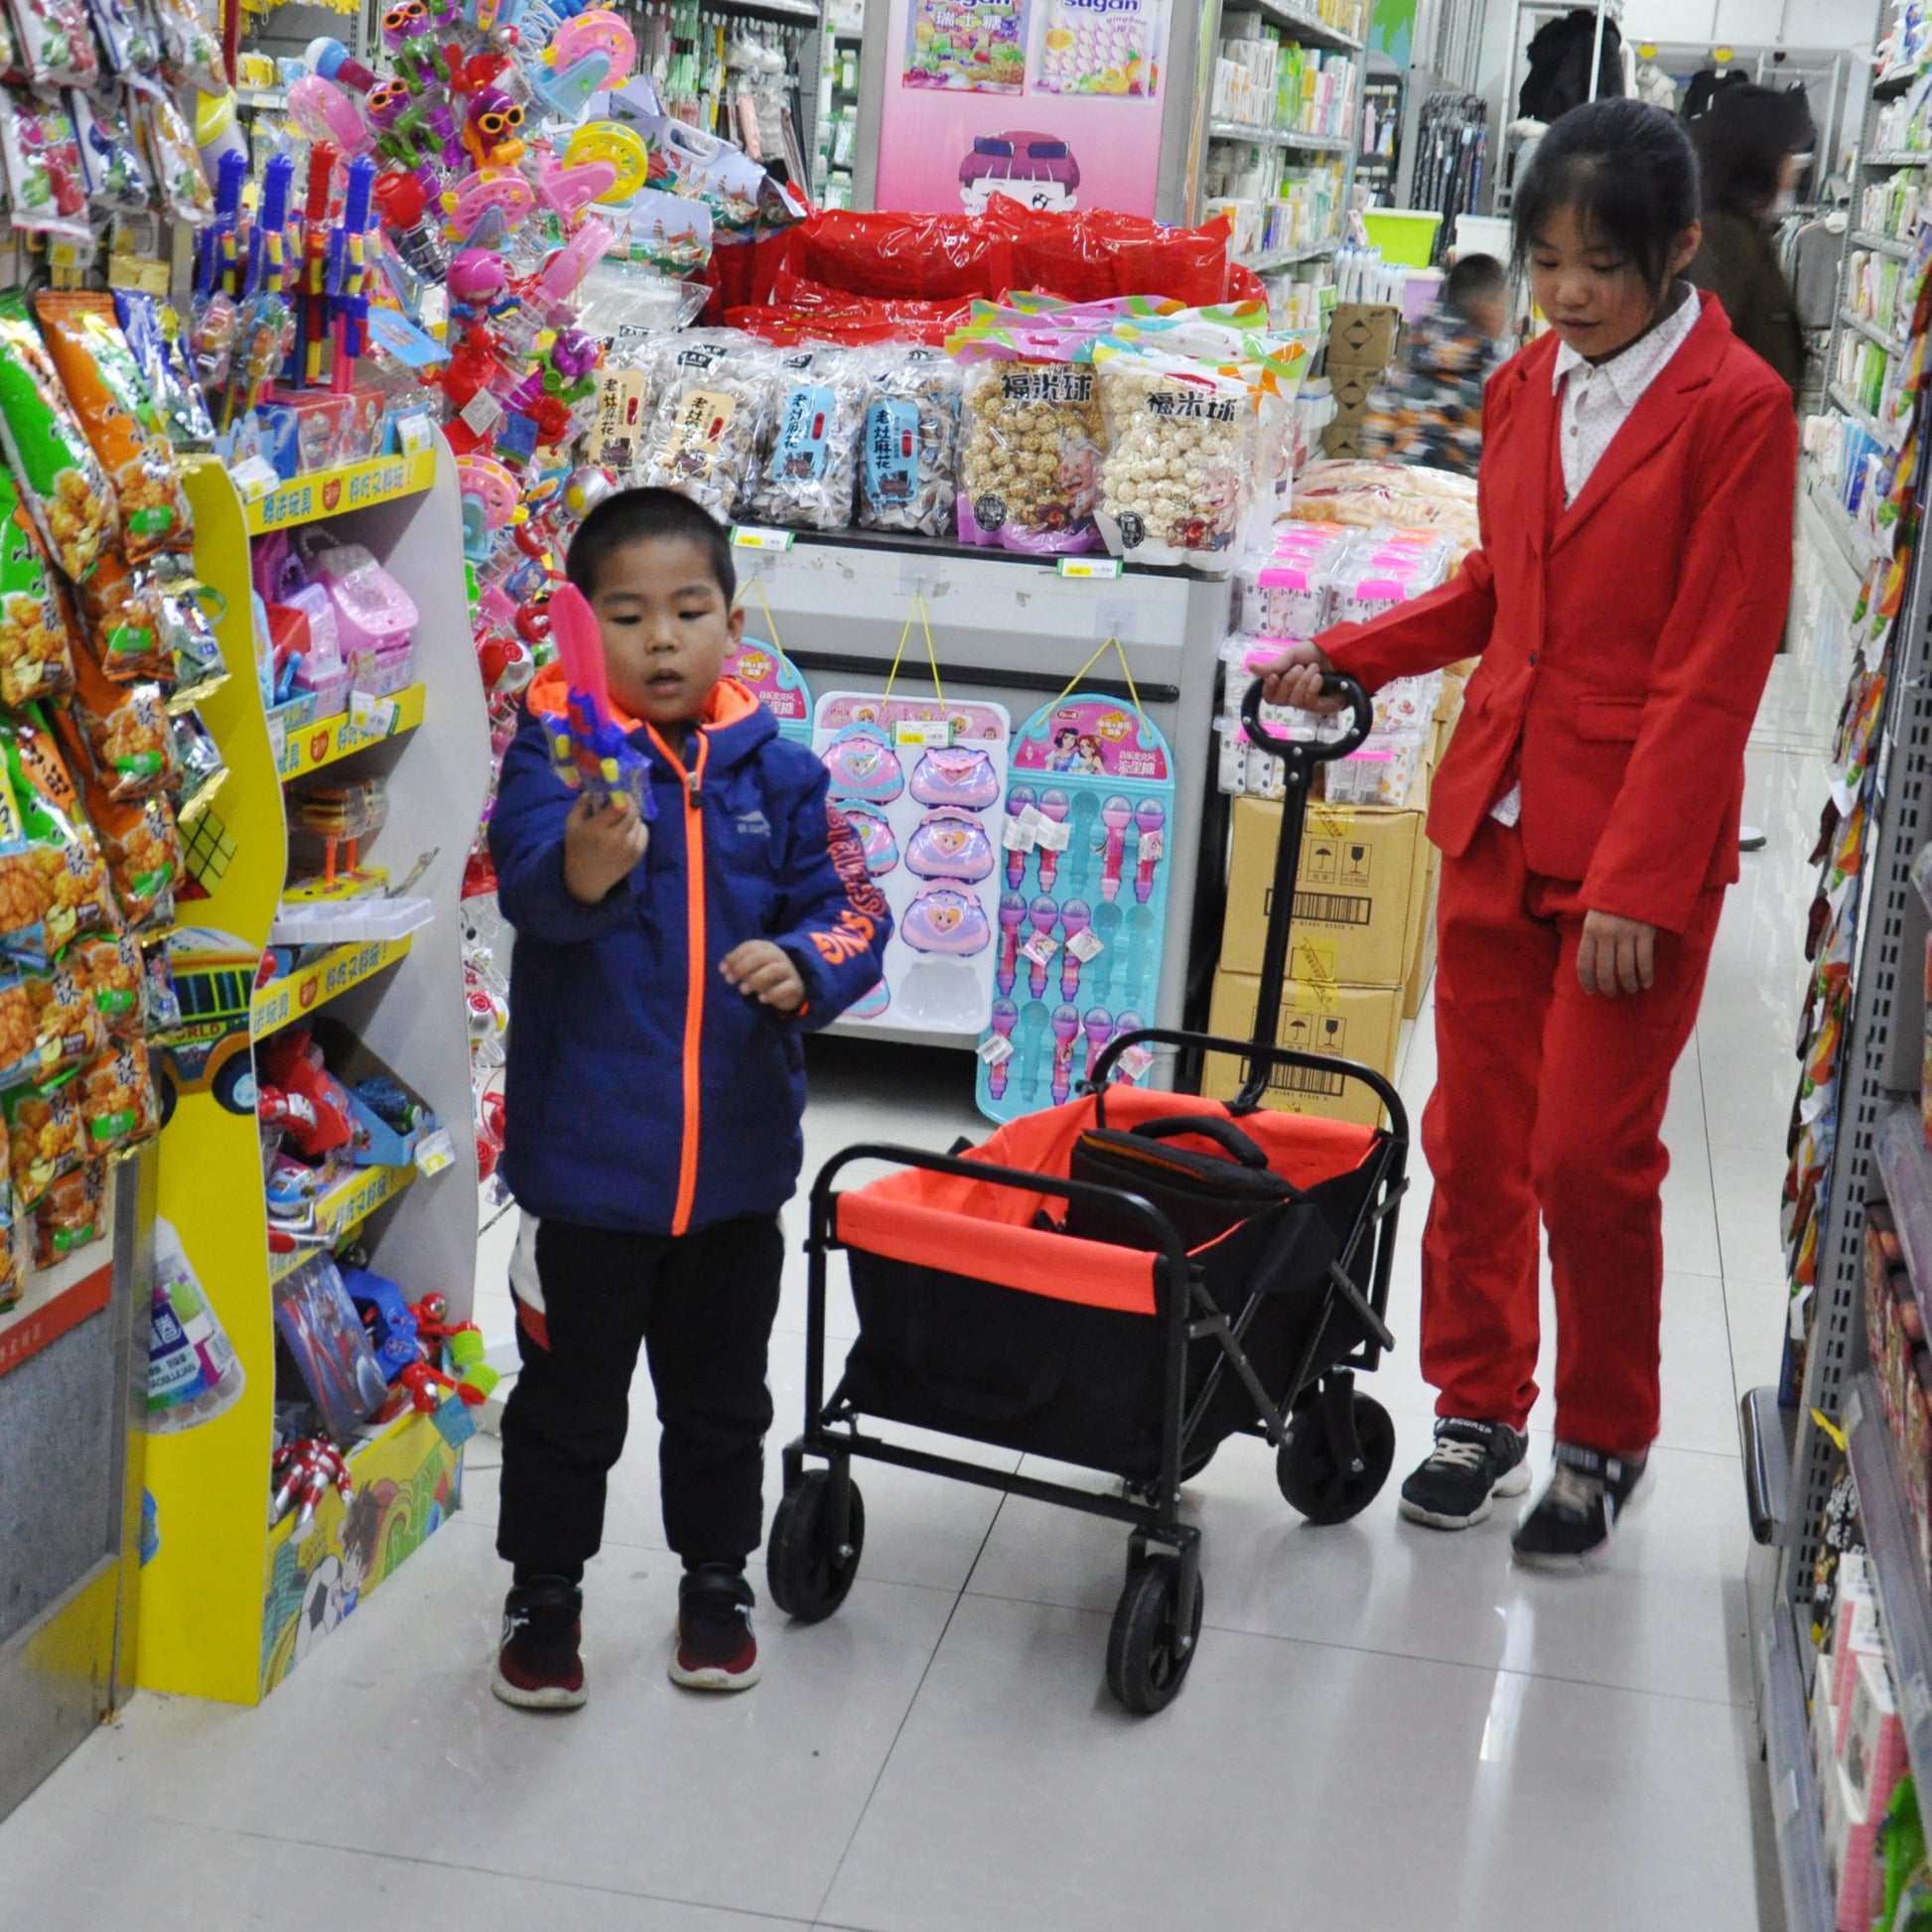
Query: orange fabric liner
983	1229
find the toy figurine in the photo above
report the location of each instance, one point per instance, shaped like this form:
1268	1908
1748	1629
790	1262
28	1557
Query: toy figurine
490	130
304	1471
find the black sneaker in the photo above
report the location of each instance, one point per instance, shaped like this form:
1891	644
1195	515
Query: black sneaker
537	1665
1472	1462
716	1650
1572	1521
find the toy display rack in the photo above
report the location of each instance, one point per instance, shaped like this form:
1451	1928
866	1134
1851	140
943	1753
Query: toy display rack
228	1605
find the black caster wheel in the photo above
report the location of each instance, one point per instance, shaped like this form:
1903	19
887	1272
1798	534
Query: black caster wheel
1147	1653
808	1576
1314	1478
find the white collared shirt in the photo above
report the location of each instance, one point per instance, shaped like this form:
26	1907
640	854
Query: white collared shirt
1597	400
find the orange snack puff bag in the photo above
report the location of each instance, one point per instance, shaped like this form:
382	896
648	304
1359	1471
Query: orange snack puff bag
47	1137
118	417
126	727
36	650
118	1099
125	628
110	969
73	1216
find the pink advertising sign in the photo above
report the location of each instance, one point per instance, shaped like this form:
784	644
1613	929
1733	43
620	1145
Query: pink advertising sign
1055	102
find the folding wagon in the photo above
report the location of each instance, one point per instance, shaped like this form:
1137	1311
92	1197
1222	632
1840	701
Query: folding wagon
1118	1283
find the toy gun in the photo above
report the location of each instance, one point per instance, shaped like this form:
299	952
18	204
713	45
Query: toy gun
348	274
268	241
311	309
587	749
217	270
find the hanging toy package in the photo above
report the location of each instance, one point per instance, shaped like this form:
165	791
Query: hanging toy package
778	684
1082	907
920	781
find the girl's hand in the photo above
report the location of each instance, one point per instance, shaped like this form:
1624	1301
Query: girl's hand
1615	955
764	973
600	848
1294	678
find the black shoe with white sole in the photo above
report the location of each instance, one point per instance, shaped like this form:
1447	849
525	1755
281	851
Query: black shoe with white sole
1472	1462
1572	1521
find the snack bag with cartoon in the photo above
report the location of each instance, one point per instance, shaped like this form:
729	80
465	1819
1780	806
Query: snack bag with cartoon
118	1099
125	727
47	1137
61	482
35	652
73	1216
110	971
124	427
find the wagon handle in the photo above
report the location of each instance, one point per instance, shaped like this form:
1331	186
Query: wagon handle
1297	751
1166	1240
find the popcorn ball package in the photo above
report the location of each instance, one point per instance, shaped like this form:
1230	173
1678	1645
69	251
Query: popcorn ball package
710	423
1174	487
36	650
61	480
909	442
119	418
1029	457
805	478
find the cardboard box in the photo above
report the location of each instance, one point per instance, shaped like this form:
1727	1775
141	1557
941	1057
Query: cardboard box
1351	389
1353	1023
1422	942
1363	335
1357	899
1339	438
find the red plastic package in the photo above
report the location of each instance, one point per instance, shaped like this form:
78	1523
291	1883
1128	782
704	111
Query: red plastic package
1096	253
927	257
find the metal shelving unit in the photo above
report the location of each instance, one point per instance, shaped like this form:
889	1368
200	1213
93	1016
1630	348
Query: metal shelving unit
1881	244
1270	259
1870	331
1278	137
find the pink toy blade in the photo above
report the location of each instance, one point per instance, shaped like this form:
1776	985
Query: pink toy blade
580	647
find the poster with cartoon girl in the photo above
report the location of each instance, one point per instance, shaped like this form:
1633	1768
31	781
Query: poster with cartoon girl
1037	170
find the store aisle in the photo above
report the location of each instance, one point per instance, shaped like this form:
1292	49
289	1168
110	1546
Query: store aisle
1385	1729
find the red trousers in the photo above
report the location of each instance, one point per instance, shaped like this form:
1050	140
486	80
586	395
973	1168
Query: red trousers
1548	1103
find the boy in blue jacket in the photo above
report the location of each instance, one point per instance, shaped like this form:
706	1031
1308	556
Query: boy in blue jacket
663	975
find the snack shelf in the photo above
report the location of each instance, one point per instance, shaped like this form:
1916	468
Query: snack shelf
341	1209
1905	1171
1870	331
1882	244
1311	29
309	747
1278	137
1797	1822
308	989
334	493
1266	259
1900	1571
1864	419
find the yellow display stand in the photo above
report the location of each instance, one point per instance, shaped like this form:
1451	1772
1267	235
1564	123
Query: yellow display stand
226	1605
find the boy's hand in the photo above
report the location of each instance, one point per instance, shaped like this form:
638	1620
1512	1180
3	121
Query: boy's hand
764	973
1615	954
1294	678
600	848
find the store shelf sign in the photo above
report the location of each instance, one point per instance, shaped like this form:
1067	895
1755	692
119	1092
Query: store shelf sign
1105	568
749	536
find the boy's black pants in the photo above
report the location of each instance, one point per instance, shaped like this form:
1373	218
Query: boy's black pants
702	1305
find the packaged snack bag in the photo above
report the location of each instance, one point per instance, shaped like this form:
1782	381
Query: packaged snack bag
710	423
144	860
60	480
124	631
73	1216
110	969
152	331
1029	457
118	1099
48	1025
198	667
167	148
53	43
47	1137
909	442
54	885
806	473
159	1007
112	173
125	727
122	425
191	46
128	37
36	651
1175	487
200	769
47	189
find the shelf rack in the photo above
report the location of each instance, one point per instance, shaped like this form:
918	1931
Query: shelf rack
1279	137
1864	419
1870	331
1880	244
1265	260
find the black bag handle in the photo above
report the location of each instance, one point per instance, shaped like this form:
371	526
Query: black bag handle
1210	1127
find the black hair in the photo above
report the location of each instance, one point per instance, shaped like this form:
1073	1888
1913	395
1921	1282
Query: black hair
1743	142
647	516
1474	278
1629	170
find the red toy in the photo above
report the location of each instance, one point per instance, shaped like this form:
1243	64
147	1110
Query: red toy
304	1471
293	1069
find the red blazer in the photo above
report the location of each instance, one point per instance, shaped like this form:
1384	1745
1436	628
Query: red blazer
1625	640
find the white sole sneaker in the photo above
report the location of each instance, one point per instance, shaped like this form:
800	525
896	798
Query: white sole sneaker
553	1696
1512	1484
1580	1563
714	1677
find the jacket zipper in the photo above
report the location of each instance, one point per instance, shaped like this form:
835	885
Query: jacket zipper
692	784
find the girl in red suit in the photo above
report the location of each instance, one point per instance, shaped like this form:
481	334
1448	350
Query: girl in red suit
1635	498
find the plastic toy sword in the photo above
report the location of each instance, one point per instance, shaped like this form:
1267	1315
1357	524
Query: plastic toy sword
1012	914
587	749
348	274
1116	815
1147	820
311	286
269	240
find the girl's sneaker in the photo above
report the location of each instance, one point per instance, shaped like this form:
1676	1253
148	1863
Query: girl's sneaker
716	1650
537	1665
1572	1521
1472	1462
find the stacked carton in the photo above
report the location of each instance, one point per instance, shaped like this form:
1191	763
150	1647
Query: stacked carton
1361	344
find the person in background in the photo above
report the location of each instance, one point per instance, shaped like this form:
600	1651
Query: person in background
1429	409
1749	153
1626	604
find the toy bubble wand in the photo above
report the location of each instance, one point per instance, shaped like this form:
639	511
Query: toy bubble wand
587	749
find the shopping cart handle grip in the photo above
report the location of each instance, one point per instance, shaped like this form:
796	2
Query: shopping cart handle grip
1316	750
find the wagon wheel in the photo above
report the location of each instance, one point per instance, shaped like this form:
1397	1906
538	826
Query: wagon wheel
808	1575
1314	1476
1147	1653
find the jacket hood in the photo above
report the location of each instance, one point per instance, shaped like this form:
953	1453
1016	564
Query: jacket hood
732	718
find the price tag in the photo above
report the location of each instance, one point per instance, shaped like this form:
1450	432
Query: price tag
924	731
749	536
278	738
454	1421
370	717
482	412
1056	834
1134	1062
435	1152
1019	834
254	479
1041	948
1084	946
1152	845
996	1049
1102	567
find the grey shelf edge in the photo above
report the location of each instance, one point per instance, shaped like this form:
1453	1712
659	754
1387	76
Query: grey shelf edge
1317	30
1905	1167
1864	419
1797	1821
1882	244
1897	158
1870	331
1854	545
1904	1595
1278	137
1264	261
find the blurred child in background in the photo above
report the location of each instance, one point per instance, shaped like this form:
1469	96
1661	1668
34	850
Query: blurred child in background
1428	408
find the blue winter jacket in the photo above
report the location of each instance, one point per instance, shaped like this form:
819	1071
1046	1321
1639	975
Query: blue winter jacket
643	1091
